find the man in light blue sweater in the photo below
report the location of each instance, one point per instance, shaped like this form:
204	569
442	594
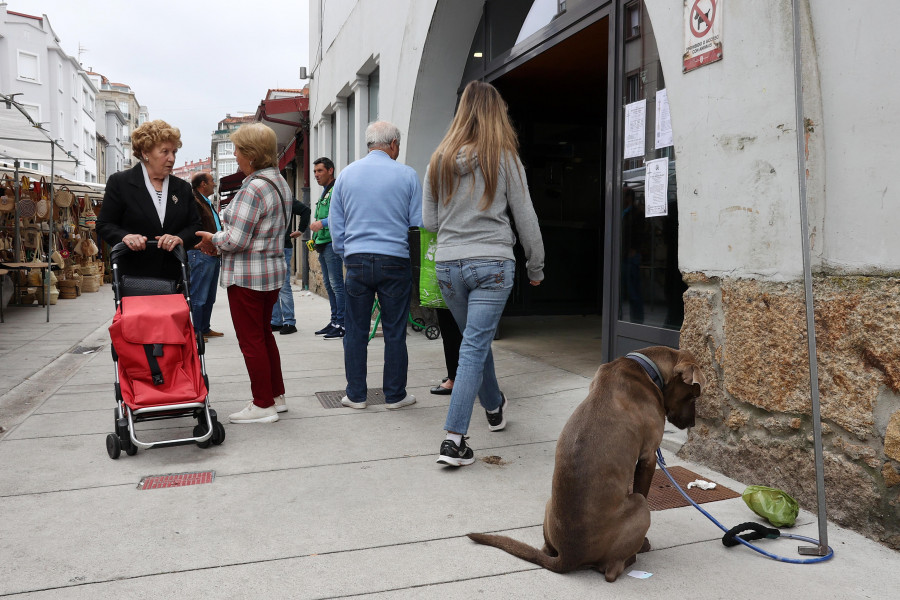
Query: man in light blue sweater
374	203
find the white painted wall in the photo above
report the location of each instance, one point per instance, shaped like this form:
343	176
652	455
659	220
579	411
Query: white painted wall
734	121
858	53
736	150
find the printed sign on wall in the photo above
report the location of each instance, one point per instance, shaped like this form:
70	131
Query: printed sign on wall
702	33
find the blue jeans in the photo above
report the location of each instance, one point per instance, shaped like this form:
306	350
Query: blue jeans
333	276
283	311
391	278
204	282
475	291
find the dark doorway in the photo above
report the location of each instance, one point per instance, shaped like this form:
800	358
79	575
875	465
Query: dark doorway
558	102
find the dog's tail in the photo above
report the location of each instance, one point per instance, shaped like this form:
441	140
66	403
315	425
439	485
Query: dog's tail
520	550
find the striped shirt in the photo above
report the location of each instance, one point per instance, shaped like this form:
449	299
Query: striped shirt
252	238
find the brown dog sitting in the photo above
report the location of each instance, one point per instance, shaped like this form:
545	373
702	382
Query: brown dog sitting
598	515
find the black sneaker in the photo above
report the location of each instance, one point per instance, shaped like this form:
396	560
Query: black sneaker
336	333
325	329
288	329
456	456
276	327
496	421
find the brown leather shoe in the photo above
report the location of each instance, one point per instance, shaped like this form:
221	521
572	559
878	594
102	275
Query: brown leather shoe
212	333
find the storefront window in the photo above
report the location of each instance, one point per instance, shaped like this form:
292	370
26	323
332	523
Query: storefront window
650	284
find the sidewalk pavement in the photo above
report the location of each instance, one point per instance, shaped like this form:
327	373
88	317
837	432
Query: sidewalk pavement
338	503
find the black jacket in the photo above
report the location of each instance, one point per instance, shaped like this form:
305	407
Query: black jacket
128	208
298	209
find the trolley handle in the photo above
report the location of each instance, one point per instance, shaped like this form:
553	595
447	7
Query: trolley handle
121	249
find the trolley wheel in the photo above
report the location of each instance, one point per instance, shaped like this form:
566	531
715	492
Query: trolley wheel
218	435
131	449
418	324
113	446
433	332
199	430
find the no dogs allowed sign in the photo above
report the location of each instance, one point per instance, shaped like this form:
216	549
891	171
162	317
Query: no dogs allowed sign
702	33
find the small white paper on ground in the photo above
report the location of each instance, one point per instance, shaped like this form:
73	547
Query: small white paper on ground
640	574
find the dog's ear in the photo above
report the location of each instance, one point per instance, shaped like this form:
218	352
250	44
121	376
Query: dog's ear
691	374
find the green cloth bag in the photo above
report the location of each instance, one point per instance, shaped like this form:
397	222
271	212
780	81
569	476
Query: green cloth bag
772	504
429	289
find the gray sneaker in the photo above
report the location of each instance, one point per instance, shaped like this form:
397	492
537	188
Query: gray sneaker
409	399
346	401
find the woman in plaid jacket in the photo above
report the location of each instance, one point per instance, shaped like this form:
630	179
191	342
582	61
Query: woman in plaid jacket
251	244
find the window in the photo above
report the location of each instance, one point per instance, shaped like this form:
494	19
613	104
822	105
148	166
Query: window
31	165
226	148
374	84
333	153
632	21
650	284
29	67
351	128
88	101
61	125
89	143
59	77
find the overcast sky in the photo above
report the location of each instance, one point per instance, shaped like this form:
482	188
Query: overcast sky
189	61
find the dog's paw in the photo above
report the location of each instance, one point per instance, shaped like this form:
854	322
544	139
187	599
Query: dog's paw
645	547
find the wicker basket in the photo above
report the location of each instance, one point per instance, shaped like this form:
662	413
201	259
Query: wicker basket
91	283
67	289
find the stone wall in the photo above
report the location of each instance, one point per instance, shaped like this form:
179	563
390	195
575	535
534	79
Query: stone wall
754	422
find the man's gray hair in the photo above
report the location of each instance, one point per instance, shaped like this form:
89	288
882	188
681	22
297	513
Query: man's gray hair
381	133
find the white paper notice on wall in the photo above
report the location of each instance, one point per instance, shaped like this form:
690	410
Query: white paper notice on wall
635	128
656	188
663	121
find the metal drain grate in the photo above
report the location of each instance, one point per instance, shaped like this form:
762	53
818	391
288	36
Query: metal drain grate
663	494
155	482
333	399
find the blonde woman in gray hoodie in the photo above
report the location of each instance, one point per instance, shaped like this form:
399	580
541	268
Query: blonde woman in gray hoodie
474	181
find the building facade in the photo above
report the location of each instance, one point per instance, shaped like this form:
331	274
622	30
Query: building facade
56	92
710	257
191	168
223	161
124	99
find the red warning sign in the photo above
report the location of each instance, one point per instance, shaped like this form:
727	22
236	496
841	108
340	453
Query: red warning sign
702	33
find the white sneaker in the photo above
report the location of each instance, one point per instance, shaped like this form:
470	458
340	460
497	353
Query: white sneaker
351	404
280	405
254	414
410	399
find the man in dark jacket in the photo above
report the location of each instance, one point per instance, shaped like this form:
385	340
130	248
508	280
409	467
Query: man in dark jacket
204	269
283	320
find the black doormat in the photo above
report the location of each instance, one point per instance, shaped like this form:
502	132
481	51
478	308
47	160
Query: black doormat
333	399
663	494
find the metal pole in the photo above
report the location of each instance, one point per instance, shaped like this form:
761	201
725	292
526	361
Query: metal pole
822	549
50	238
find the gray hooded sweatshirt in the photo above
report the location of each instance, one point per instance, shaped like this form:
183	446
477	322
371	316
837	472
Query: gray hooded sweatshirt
465	231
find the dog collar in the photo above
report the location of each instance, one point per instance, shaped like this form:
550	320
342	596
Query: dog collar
649	366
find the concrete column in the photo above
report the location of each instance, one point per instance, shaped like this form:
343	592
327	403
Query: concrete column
323	143
340	134
360	89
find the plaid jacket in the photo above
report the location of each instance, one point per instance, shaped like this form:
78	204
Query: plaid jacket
252	236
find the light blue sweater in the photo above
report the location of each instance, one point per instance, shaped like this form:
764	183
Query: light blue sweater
374	203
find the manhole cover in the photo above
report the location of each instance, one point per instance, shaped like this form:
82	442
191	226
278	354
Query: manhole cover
333	399
85	349
155	482
663	494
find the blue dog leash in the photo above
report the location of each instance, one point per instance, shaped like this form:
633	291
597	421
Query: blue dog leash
732	539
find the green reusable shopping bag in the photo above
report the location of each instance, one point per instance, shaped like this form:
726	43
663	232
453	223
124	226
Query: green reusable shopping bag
772	504
429	289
